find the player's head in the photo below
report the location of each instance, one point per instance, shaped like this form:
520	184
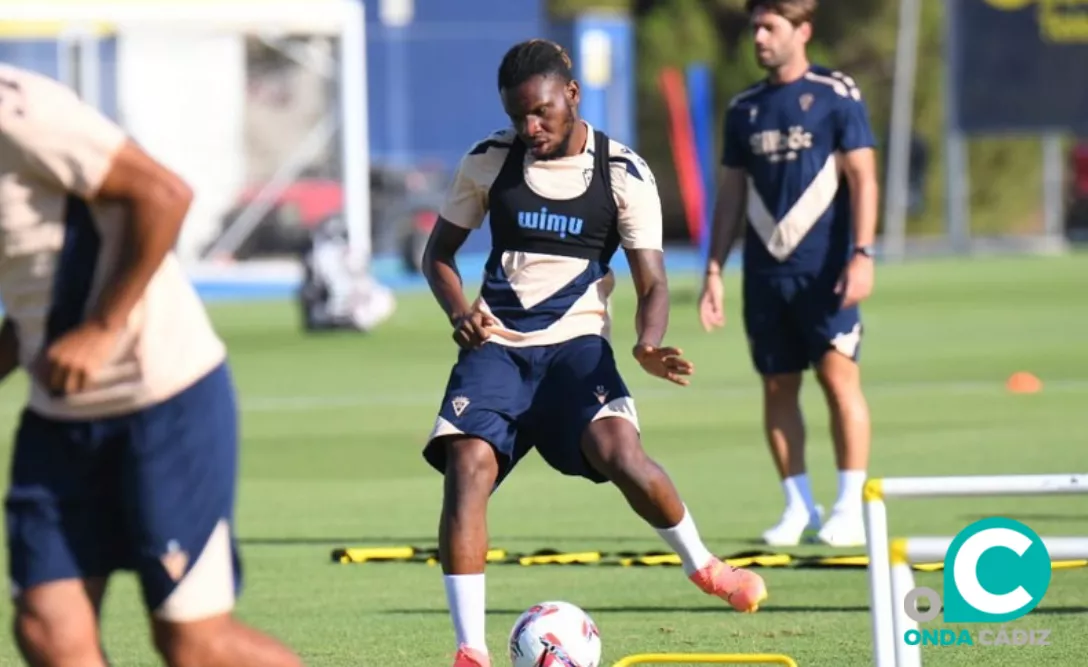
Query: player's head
540	96
780	30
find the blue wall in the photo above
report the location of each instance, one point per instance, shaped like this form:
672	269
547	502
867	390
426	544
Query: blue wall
610	104
432	84
34	54
40	55
1011	74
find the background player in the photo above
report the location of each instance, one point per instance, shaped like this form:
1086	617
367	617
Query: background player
798	160
536	367
126	454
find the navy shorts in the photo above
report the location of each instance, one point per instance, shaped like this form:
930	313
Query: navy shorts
793	321
542	397
151	492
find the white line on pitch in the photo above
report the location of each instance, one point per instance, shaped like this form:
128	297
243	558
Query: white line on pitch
407	400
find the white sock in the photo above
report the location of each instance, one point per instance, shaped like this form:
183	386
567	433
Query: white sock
685	541
465	594
851	485
798	494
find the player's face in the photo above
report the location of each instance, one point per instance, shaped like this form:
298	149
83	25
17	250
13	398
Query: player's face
543	112
776	40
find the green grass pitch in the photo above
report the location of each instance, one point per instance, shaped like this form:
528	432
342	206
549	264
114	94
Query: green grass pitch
333	427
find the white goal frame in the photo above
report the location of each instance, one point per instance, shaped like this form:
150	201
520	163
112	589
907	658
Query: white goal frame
890	575
344	19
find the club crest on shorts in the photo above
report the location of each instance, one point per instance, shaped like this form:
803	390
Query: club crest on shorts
601	393
175	560
459	403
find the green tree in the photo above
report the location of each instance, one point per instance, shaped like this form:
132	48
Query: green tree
858	37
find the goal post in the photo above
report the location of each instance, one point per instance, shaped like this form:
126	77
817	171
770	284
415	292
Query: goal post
193	82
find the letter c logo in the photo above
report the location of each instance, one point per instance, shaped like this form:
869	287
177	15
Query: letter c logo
996	570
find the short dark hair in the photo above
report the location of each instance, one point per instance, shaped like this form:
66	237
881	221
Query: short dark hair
535	57
794	11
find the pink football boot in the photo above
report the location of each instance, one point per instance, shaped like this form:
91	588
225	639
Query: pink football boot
470	657
744	590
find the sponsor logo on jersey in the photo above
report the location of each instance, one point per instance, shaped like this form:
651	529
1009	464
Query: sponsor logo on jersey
544	221
776	145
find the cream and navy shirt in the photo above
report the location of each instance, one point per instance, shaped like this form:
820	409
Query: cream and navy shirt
60	245
571	294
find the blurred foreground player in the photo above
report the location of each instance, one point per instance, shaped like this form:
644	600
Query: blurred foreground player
798	161
125	456
536	368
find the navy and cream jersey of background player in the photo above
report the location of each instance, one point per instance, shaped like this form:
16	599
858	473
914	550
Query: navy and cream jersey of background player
790	139
536	278
59	248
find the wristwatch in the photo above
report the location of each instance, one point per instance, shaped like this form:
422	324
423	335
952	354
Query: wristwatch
866	250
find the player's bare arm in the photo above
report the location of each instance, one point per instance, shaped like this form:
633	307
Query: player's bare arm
9	348
732	200
652	318
859	167
157	200
652	289
728	219
440	269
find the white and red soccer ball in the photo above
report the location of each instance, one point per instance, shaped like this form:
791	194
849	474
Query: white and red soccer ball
555	634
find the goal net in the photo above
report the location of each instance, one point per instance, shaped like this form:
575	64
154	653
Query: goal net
260	105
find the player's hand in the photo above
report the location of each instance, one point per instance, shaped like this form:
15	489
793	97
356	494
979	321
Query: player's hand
711	303
664	362
471	330
71	364
856	283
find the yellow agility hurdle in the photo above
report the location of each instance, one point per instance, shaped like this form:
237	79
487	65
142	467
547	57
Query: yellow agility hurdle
707	658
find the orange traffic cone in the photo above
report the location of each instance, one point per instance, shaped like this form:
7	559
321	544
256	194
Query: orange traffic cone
1023	382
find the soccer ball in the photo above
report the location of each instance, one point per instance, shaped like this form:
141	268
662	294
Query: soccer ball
555	634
